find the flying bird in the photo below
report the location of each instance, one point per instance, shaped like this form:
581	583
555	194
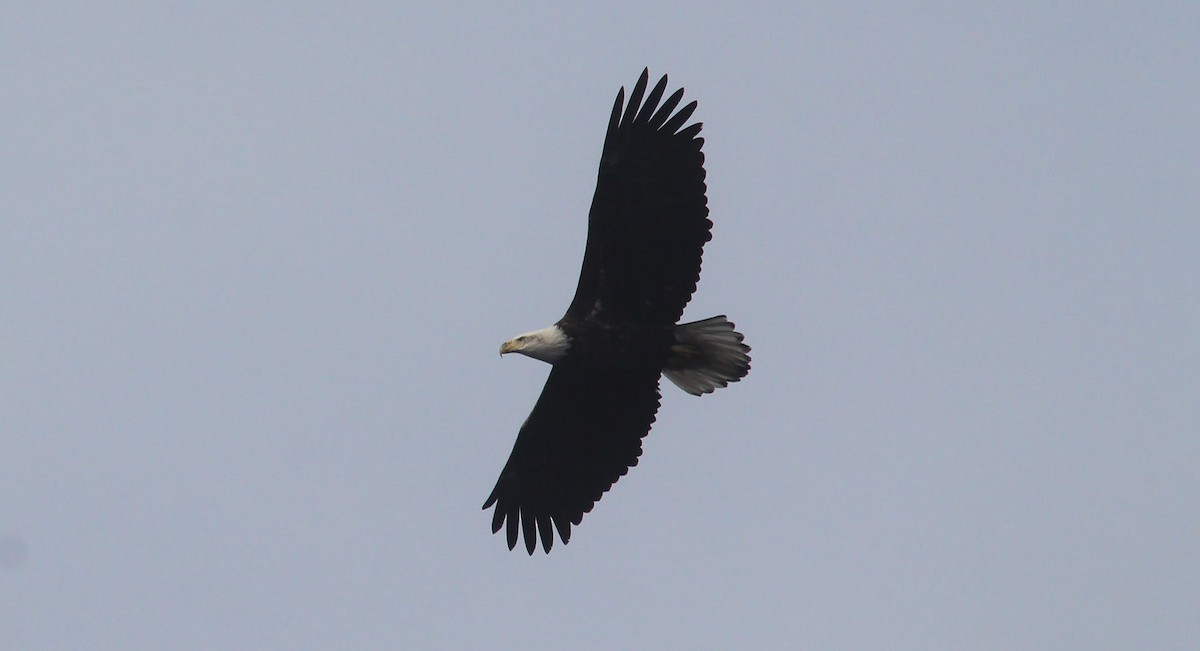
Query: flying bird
646	232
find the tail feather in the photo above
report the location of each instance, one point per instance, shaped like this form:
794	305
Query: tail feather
707	355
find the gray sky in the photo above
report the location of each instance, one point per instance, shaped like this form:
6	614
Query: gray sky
256	264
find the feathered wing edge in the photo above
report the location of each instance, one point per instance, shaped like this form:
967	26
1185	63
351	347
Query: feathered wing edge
648	221
649	113
584	433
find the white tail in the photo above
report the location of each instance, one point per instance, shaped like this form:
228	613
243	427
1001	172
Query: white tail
707	355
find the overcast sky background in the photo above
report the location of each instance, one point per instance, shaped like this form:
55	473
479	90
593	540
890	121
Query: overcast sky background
256	263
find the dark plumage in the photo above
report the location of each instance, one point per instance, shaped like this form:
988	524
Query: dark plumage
646	233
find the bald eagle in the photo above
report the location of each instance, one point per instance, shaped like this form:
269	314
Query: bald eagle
646	232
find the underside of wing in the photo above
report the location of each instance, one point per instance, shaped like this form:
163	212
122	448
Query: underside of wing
649	217
584	433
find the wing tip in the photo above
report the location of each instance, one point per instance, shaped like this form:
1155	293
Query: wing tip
521	525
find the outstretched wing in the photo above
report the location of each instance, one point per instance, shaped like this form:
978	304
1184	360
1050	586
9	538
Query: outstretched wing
584	433
649	217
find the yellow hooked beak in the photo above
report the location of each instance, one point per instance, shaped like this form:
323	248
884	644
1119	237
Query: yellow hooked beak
509	346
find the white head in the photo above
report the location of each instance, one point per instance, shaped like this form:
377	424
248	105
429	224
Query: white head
547	344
